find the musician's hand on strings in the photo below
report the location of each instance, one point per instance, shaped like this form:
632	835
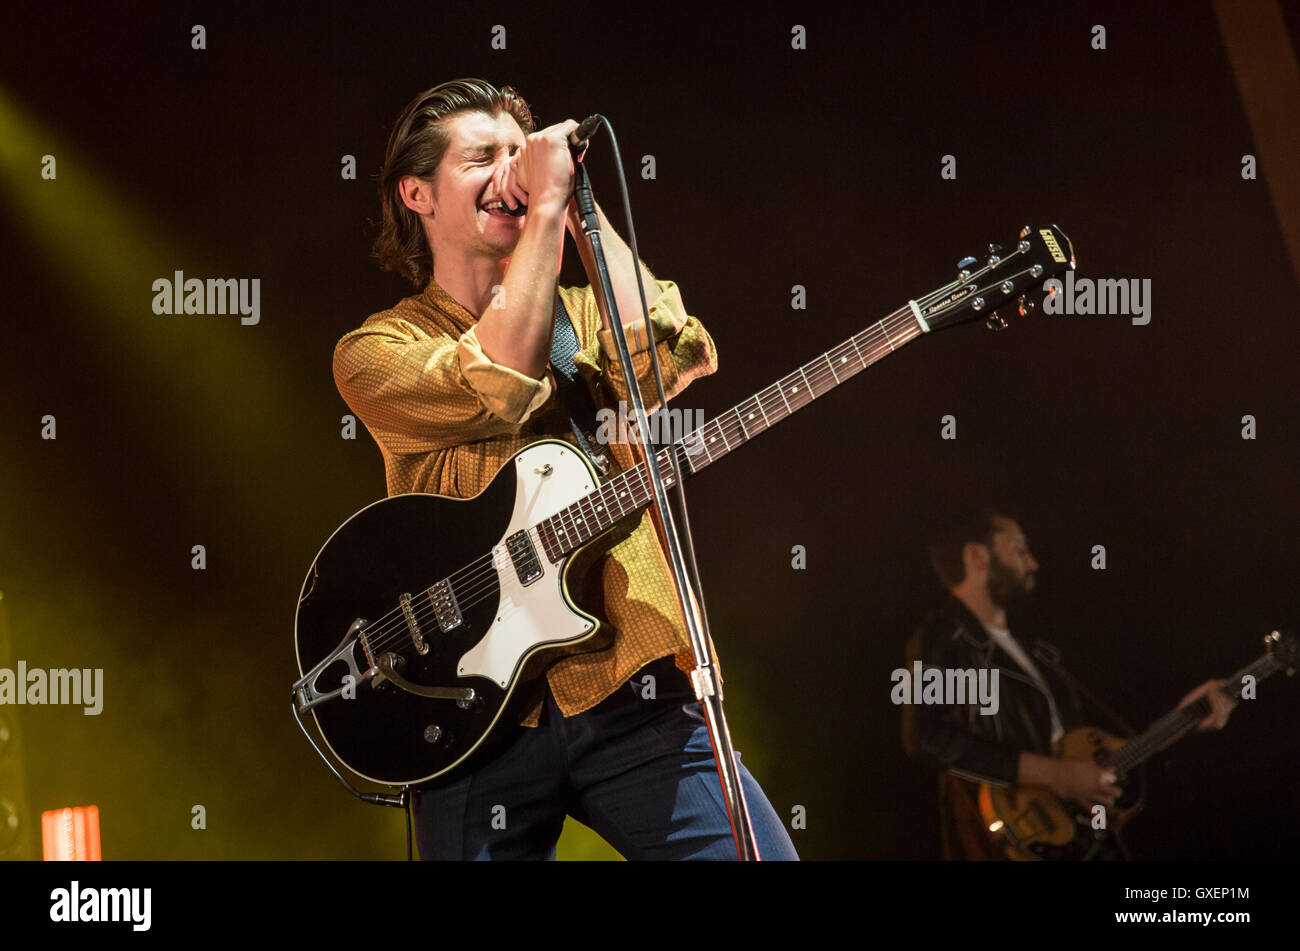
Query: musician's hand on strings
1085	782
1220	704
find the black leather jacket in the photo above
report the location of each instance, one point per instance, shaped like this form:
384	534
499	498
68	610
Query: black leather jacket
966	746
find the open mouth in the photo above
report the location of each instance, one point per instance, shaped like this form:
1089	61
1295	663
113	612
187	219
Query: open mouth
497	209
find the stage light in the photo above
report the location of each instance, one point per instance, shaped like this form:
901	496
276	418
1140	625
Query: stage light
71	834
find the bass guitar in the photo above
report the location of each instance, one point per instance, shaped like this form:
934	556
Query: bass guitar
1027	823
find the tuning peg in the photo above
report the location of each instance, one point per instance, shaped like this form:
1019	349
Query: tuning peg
963	268
995	322
994	259
994	248
1024	232
1024	304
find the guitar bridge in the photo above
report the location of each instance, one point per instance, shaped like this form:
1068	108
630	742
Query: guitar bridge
413	626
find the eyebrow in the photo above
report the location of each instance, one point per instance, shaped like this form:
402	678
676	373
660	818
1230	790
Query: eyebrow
486	148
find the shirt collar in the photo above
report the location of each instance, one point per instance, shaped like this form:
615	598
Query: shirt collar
437	297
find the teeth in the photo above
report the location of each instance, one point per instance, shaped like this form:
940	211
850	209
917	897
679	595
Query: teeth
495	203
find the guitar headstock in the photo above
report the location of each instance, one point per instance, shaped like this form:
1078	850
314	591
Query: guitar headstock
1284	649
985	283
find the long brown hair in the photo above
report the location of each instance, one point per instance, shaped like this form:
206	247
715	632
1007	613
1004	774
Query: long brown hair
416	147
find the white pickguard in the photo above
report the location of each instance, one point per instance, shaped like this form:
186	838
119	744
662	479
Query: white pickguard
536	614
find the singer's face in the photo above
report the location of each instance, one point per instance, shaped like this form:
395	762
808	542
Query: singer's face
479	143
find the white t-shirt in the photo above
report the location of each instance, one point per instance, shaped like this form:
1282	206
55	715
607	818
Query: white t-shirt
1009	644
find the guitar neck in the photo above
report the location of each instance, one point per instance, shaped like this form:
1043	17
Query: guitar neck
630	490
1175	725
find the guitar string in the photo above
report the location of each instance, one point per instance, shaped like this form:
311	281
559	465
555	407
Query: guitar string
479	578
482	573
486	577
470	594
1177	723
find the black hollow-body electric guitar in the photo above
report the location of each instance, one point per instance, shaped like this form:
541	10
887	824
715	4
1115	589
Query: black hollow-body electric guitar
422	614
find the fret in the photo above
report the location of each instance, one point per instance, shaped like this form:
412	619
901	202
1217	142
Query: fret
602	510
704	441
780	388
629	491
876	351
1178	723
664	462
826	357
843	351
886	333
854	340
743	436
806	383
583	507
722	431
692	444
601	506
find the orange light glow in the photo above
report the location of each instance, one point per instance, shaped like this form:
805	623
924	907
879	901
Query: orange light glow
71	835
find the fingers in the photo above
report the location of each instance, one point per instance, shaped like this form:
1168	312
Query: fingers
498	181
517	194
1221	705
1195	694
1108	789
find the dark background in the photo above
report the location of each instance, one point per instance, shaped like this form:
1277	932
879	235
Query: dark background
775	167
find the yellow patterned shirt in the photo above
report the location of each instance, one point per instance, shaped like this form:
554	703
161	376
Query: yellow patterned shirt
447	418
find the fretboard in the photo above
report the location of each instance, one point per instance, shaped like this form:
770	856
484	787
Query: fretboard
1175	725
630	490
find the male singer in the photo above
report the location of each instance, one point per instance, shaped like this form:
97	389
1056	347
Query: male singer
488	356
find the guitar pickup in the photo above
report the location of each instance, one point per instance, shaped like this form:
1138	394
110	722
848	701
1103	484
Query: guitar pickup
445	608
413	626
524	557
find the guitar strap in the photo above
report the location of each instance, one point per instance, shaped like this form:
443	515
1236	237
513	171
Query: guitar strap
1051	657
572	389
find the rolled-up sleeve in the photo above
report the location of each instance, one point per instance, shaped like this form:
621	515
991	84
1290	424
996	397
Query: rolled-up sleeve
418	393
685	349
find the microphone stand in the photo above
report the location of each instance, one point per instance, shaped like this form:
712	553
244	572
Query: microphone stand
704	677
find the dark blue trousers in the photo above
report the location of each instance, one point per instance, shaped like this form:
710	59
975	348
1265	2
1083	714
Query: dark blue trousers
638	771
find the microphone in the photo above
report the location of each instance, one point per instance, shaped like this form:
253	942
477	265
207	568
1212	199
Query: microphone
578	140
586	129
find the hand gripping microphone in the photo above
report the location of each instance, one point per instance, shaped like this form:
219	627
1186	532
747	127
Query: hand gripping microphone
578	140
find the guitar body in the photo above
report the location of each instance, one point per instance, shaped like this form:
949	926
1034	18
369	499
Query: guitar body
402	545
1031	823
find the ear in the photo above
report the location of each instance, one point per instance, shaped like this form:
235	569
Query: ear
417	194
975	557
